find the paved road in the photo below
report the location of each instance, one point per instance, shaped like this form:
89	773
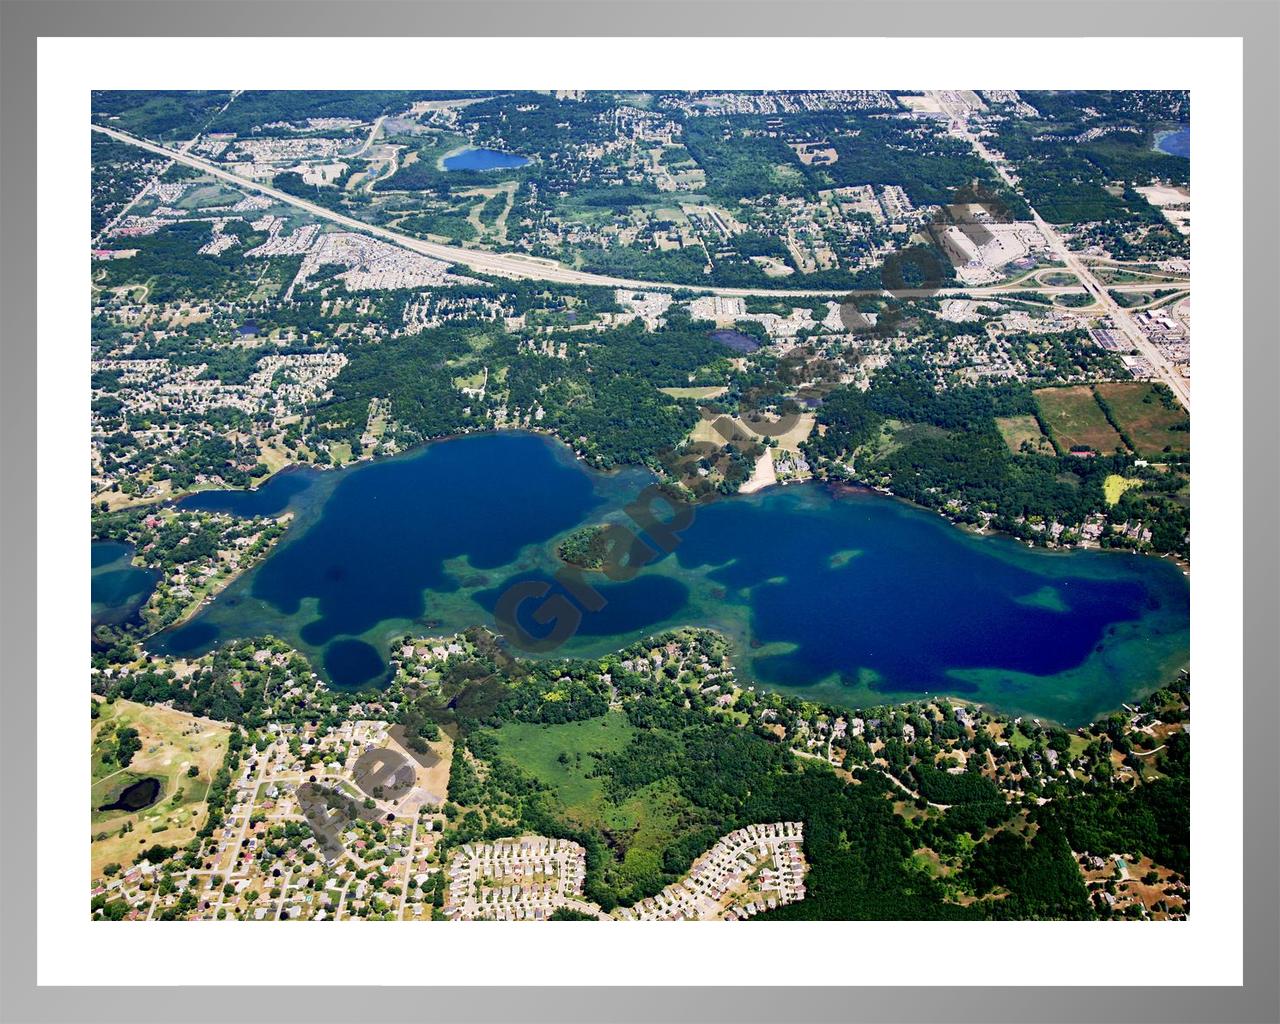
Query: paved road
373	132
146	187
513	265
1164	369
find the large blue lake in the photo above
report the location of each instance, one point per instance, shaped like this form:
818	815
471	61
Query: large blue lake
846	596
483	160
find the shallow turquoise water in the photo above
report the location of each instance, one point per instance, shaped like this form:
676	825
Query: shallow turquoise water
843	595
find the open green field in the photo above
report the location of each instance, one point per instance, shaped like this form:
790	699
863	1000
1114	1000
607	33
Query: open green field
896	434
1154	427
1140	273
1017	429
1129	300
208	193
537	749
638	828
1074	417
1073	300
172	742
1059	279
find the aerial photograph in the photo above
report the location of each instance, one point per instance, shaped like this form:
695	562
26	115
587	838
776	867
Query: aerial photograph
639	506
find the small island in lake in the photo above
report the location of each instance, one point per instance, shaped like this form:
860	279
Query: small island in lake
586	548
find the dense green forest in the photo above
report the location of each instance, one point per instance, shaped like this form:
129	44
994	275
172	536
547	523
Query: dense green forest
1070	179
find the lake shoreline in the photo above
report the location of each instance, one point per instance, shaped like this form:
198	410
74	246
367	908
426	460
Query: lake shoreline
759	488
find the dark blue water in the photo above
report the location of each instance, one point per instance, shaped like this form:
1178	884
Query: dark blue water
1176	143
385	534
735	340
136	796
912	606
118	589
483	160
272	498
845	596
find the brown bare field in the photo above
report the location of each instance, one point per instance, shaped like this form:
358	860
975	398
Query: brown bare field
1074	417
432	767
790	441
1151	425
707	392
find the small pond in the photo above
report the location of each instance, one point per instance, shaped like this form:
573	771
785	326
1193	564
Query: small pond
136	796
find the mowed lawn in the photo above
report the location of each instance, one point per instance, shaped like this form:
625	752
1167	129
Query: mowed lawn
172	742
1074	417
1150	424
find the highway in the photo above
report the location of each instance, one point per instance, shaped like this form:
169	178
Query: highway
517	265
513	265
1120	316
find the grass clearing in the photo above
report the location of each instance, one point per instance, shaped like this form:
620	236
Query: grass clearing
208	193
538	749
1074	418
638	827
1017	430
1017	740
1059	279
897	434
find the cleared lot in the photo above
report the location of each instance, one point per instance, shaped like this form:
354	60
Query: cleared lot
1074	418
1019	429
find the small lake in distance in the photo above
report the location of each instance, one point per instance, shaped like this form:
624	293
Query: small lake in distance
1176	142
483	160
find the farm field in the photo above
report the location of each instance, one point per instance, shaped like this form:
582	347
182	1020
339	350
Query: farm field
171	743
1017	429
1150	424
1075	418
